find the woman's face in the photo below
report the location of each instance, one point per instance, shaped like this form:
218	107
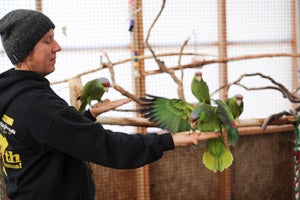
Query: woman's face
42	59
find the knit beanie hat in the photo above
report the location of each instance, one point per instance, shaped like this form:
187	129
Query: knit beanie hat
21	30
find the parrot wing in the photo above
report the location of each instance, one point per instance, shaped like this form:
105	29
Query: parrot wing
228	122
169	114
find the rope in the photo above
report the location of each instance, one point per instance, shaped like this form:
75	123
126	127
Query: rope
296	158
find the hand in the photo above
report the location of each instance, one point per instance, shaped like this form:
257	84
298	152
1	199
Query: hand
107	105
187	138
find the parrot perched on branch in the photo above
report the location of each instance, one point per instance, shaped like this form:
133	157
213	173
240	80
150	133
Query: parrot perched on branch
236	105
93	90
176	115
200	88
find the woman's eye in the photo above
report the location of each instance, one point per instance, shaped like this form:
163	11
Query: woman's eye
48	41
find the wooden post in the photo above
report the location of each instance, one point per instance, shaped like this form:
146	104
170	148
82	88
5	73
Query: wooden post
38	5
224	177
295	43
137	49
75	88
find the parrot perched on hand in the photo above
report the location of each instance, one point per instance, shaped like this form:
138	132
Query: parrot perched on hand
200	88
236	105
176	115
93	90
228	122
206	118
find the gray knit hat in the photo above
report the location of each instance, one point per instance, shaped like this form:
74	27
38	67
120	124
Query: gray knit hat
21	30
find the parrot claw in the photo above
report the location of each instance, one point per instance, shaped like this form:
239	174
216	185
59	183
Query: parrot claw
191	132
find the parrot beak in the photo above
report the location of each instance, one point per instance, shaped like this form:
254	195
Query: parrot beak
106	89
193	124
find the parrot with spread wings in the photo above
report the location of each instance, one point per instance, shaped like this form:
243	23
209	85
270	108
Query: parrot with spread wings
176	115
93	90
200	90
236	105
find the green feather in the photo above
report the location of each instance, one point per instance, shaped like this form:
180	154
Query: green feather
217	156
168	114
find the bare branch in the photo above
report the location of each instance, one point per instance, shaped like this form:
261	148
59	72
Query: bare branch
224	60
162	66
272	118
115	85
192	65
180	84
278	86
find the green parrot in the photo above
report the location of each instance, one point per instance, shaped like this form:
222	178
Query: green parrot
228	122
200	89
236	105
176	115
93	90
217	155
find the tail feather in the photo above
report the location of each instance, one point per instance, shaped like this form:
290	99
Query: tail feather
232	136
217	156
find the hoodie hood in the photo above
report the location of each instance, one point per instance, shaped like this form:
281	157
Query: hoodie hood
15	82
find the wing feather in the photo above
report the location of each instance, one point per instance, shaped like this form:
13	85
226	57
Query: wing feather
168	114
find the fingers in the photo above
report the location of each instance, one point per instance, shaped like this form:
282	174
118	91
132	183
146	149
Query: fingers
204	135
112	104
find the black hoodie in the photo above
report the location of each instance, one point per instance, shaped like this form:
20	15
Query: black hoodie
45	142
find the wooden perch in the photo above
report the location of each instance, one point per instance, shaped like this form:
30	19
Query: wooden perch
142	122
244	124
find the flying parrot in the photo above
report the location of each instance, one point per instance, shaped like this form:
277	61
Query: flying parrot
93	90
176	115
236	105
200	89
228	122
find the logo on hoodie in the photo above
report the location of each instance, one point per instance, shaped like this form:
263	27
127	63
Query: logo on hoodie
10	159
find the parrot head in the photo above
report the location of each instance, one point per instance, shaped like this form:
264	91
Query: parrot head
239	99
105	83
198	76
196	116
